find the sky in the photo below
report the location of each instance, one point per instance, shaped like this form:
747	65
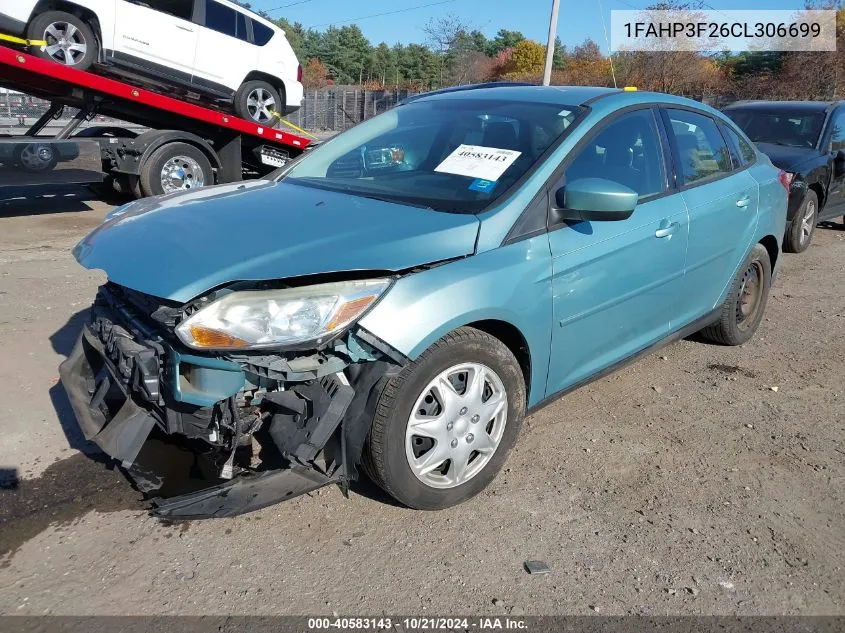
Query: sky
578	20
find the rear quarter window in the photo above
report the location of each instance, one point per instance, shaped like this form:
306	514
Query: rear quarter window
739	146
261	33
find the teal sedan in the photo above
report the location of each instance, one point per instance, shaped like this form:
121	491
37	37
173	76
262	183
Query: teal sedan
399	298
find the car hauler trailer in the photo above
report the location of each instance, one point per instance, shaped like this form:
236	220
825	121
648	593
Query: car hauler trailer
185	146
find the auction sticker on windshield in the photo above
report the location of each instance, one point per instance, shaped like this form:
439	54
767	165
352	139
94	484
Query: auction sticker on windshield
475	161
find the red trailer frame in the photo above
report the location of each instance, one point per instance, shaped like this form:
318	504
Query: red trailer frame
229	142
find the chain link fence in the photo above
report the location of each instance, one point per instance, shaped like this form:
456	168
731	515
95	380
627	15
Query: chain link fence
331	110
338	109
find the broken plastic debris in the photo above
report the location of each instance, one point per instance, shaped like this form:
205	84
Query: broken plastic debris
536	567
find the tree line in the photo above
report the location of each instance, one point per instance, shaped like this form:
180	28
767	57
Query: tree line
454	53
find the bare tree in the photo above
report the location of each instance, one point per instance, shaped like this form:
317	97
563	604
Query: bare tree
442	35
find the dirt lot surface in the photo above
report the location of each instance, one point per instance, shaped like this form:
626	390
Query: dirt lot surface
700	480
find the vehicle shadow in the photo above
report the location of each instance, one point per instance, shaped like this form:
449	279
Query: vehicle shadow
831	225
365	487
28	201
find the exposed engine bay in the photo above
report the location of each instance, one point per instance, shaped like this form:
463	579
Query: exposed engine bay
267	426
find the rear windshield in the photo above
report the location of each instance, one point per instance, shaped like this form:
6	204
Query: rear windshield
455	155
782	127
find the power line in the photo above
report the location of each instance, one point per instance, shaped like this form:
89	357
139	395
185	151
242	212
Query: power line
607	43
628	4
285	6
378	15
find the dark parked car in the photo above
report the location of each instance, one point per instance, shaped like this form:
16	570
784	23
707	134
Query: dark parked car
807	140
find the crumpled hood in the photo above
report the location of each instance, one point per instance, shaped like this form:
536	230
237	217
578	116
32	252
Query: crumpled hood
788	158
179	246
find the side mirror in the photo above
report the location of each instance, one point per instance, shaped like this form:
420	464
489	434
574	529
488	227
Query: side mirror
595	199
839	163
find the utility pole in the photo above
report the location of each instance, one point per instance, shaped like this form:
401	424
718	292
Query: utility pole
550	47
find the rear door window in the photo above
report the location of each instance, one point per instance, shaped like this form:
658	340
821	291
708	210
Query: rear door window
702	151
240	27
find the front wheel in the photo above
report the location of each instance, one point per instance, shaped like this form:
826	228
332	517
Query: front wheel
70	40
803	225
260	102
445	425
743	308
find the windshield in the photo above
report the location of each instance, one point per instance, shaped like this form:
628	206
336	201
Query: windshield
782	127
456	155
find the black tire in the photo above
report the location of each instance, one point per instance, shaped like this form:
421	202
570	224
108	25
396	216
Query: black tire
385	458
737	321
193	161
246	109
84	35
798	236
36	157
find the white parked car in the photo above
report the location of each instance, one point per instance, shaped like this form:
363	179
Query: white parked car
212	48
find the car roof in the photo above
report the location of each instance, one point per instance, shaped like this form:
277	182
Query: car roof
599	98
242	9
564	95
808	106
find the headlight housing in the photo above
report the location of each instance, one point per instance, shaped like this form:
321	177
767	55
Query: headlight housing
262	319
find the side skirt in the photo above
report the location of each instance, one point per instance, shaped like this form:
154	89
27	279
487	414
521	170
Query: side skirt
128	65
699	324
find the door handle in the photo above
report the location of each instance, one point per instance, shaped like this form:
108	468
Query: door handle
184	28
667	231
742	203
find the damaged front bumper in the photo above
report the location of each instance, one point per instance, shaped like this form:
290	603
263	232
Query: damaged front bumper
272	427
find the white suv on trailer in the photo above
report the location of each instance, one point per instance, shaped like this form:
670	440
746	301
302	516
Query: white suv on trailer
209	48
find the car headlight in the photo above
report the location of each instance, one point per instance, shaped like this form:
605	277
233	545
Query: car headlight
263	319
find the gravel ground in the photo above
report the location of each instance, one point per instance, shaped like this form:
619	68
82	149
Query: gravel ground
701	480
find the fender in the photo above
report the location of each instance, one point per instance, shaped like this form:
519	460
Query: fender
138	150
511	285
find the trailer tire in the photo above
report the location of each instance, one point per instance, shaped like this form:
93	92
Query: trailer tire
85	50
175	167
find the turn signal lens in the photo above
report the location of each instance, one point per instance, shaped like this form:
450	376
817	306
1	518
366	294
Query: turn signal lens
214	339
349	311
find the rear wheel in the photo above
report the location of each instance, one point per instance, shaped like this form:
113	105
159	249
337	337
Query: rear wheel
175	167
70	40
260	102
444	426
745	304
803	225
